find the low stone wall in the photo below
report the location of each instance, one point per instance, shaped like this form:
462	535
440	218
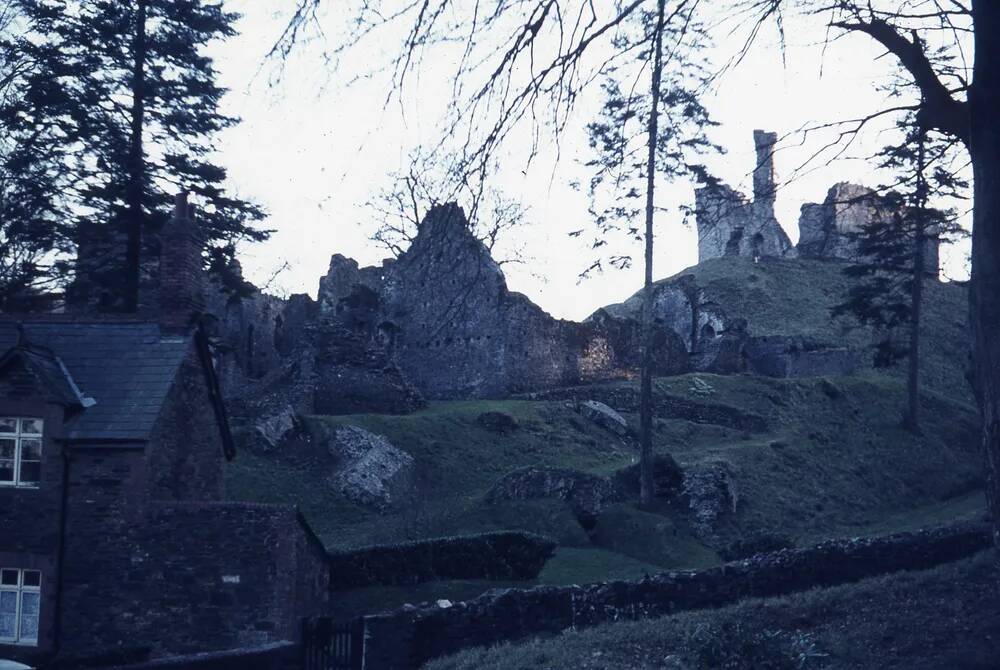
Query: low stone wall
507	555
277	656
626	399
411	636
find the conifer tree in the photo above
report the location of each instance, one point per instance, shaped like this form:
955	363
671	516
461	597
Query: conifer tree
892	262
140	116
642	136
33	234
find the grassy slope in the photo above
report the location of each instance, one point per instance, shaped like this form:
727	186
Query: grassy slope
834	461
948	617
794	297
829	466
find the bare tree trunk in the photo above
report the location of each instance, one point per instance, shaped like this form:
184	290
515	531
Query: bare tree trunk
912	421
984	296
135	194
646	491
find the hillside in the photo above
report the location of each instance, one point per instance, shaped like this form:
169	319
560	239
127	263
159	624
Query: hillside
785	461
786	296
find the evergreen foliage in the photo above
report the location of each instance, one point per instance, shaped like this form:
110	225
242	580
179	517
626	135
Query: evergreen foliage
33	234
137	115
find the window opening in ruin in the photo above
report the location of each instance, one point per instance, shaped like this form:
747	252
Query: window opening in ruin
20	597
758	244
20	451
707	330
733	245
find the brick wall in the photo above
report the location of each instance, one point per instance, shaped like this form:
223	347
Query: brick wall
105	498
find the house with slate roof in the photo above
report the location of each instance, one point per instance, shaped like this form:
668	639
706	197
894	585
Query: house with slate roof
116	541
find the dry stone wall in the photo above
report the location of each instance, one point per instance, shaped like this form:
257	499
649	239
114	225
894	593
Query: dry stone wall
411	636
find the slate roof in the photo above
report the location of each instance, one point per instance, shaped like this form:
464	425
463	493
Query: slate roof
126	368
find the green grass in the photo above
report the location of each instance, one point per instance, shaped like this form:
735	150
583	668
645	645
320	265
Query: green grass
835	462
948	617
584	566
794	297
456	461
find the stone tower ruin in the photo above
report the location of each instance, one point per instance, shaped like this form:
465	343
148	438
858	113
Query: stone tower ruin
731	225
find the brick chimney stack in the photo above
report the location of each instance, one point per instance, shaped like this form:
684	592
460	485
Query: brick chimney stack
181	289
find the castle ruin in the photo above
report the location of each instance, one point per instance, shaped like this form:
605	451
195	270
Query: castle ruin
729	224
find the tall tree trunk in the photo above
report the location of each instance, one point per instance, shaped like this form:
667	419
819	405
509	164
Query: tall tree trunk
984	294
912	421
135	195
646	491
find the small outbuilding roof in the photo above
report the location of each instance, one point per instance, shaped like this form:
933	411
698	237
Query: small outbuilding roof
118	373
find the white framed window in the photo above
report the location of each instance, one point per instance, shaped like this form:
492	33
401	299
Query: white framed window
20	601
20	451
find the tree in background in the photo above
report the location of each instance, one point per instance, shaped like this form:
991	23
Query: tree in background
139	120
400	206
643	135
892	264
33	173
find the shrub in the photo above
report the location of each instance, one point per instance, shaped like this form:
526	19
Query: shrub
495	556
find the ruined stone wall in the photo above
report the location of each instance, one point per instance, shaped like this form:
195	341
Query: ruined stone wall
730	224
443	314
826	229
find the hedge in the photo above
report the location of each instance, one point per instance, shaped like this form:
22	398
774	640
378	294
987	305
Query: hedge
510	555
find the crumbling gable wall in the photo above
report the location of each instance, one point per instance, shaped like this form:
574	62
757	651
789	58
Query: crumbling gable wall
444	314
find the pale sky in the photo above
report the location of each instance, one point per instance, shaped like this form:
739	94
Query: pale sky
313	150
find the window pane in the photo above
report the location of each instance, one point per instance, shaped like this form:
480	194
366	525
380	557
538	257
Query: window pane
7	449
31	449
7	626
8	425
29	615
8	578
8	603
32	578
33	426
31	472
6	471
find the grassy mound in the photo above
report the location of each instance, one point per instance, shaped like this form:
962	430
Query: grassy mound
781	296
940	618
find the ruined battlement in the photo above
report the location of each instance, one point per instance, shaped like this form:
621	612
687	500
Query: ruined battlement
730	224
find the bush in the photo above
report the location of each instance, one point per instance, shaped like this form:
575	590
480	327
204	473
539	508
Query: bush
497	556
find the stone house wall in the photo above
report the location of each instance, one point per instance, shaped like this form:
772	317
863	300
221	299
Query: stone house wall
186	464
31	519
223	575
